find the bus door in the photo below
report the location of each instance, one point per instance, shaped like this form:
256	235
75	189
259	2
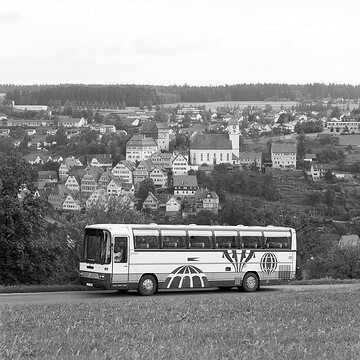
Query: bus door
120	263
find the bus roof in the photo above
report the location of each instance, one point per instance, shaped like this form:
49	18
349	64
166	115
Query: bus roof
186	227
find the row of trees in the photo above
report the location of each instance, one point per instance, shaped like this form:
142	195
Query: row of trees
143	95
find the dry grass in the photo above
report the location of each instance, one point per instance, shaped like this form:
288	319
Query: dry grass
320	324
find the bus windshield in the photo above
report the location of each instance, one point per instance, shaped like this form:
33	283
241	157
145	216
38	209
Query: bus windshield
97	246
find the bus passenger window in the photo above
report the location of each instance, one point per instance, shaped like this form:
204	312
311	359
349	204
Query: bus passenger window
200	242
225	242
146	242
251	242
173	242
277	242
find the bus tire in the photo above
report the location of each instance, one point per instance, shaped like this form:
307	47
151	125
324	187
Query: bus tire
250	282
147	285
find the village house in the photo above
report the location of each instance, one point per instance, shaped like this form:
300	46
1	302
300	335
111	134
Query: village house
56	158
71	122
140	147
143	171
73	183
207	200
104	179
173	206
65	167
100	160
89	182
283	155
114	187
124	170
163	136
160	132
180	165
151	202
30	122
185	186
36	158
159	176
162	159
103	128
57	196
338	126
309	158
252	158
48	176
318	171
73	202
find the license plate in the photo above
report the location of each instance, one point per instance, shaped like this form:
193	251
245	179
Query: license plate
89	284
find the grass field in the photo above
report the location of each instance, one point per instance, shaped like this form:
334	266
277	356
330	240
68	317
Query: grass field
309	324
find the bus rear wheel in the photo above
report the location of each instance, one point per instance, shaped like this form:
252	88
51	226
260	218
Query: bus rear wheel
250	282
147	285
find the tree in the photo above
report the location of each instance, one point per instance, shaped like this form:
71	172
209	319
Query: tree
25	254
235	212
161	116
269	191
301	146
60	136
329	198
329	176
145	187
186	120
335	113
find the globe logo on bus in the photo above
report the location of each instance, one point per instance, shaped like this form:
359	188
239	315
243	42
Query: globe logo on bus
268	263
186	276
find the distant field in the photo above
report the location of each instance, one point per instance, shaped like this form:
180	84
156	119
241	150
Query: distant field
306	324
213	105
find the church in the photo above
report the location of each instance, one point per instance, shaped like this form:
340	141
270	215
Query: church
214	149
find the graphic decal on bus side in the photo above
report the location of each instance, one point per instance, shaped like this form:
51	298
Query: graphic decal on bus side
186	276
238	260
268	263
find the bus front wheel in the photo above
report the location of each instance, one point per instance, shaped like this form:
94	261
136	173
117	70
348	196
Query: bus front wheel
147	285
250	282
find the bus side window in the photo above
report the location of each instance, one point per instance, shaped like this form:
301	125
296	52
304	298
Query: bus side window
200	242
175	242
277	242
225	242
250	242
146	242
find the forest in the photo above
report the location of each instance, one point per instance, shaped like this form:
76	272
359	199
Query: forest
120	96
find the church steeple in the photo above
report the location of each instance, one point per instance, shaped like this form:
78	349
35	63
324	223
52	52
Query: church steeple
234	134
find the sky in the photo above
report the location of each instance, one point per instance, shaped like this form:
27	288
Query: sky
177	42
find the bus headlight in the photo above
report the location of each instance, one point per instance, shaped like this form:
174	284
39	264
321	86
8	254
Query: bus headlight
101	276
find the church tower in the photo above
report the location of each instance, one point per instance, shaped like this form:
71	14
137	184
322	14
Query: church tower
234	135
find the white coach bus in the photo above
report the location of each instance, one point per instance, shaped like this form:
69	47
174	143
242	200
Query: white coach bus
147	258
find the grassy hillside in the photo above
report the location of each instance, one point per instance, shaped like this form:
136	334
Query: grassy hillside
271	324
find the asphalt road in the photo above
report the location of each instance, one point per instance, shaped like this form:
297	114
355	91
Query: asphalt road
84	296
